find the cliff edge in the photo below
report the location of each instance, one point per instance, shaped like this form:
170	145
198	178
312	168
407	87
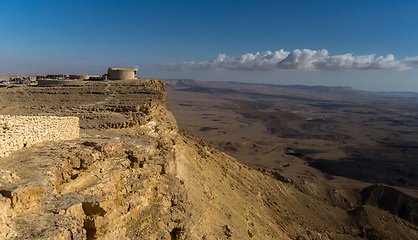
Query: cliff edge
132	174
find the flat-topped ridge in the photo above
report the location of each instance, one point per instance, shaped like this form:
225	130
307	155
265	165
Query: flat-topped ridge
99	105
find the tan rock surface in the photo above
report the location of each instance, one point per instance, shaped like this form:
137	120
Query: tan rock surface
133	175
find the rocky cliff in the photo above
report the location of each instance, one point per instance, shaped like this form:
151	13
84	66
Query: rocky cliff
132	174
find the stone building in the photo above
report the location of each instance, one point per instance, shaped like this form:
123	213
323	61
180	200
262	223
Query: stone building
121	73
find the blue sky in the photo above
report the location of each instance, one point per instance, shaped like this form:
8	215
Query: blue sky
369	45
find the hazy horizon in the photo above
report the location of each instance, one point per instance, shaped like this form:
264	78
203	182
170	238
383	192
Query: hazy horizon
366	45
219	77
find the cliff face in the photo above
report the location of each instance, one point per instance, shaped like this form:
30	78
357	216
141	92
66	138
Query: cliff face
132	174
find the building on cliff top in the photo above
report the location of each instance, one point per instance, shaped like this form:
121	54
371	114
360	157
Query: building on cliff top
121	73
66	79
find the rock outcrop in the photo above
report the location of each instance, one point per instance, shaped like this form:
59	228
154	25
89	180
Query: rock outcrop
132	174
392	200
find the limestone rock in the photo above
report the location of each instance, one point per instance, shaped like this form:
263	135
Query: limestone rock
132	174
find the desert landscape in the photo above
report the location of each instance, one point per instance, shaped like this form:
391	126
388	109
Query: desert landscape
363	137
209	120
212	160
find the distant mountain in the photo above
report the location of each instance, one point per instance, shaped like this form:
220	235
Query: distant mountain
6	75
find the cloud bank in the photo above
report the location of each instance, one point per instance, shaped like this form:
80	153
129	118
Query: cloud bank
411	61
297	59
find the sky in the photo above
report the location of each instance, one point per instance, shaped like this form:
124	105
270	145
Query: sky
366	44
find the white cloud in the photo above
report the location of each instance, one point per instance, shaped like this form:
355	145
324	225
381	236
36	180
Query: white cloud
297	59
411	61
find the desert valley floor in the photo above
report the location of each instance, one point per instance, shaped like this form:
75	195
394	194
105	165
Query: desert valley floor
332	134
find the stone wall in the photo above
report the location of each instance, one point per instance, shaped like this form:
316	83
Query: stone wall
17	132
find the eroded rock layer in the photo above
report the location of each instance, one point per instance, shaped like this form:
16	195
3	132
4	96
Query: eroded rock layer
132	174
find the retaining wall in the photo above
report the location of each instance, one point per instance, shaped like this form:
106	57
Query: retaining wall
17	132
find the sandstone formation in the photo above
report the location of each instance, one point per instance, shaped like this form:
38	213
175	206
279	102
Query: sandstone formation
132	174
